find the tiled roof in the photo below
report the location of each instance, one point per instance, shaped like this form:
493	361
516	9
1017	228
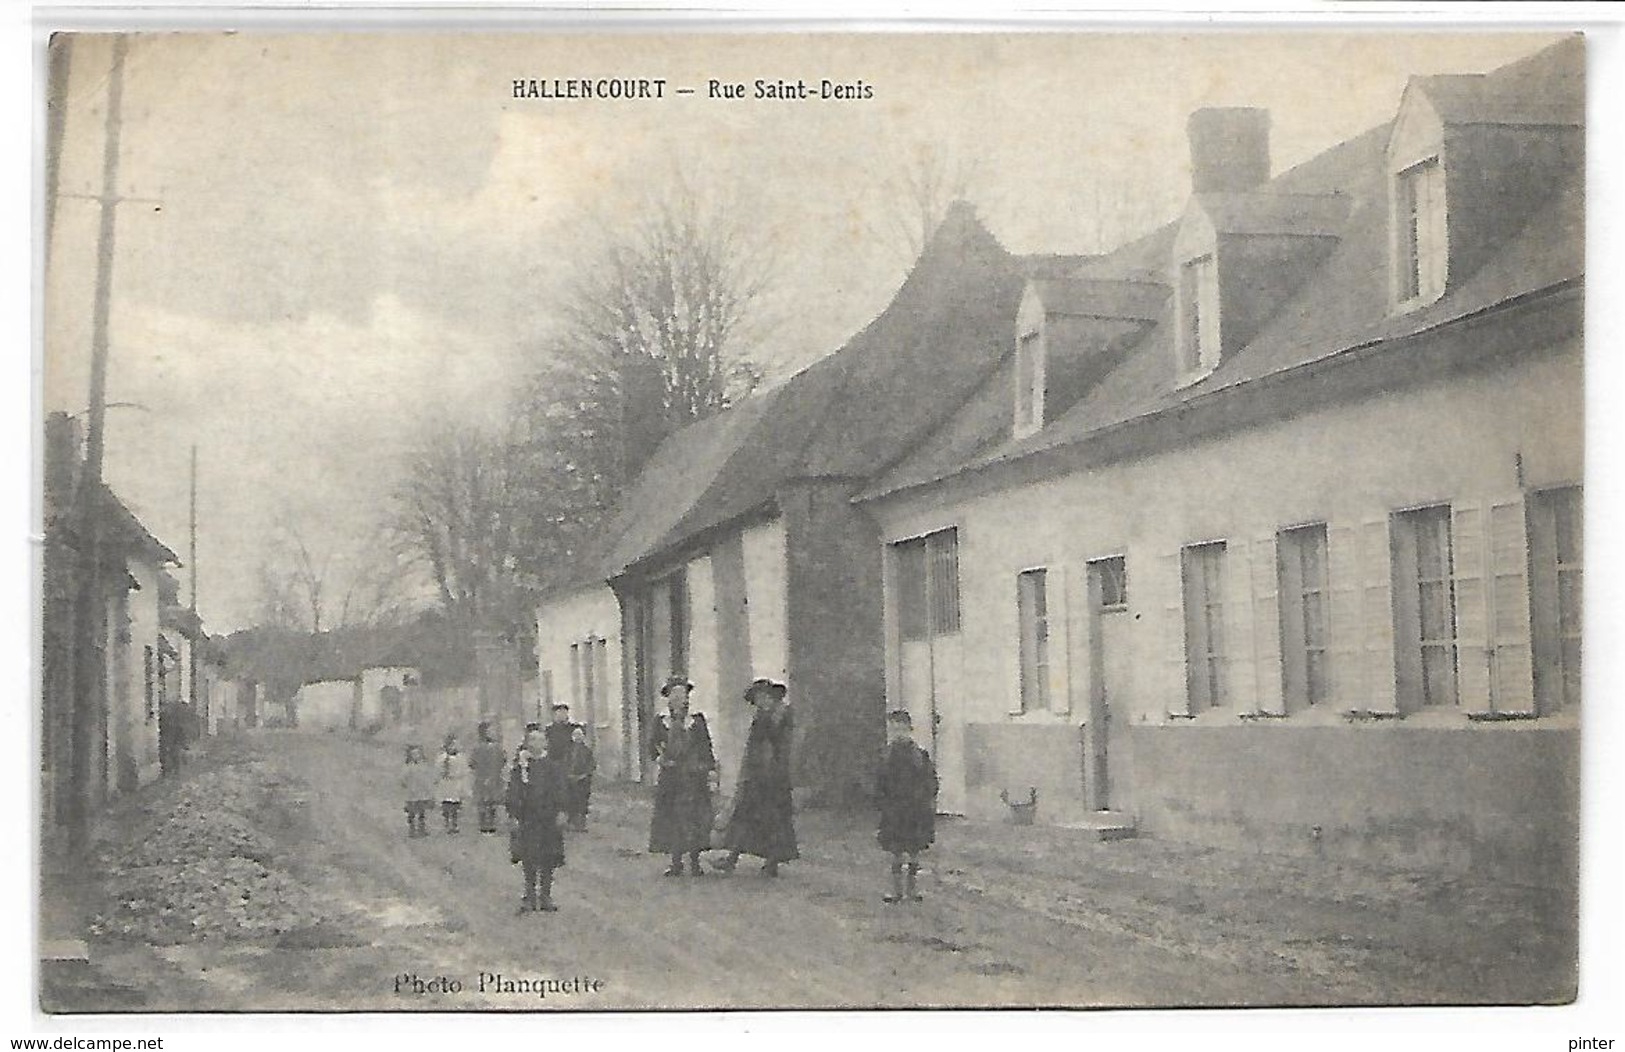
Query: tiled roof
1100	298
847	416
1344	304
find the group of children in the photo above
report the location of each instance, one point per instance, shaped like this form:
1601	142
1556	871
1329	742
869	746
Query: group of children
906	789
482	776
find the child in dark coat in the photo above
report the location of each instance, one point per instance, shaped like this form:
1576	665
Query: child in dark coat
488	764
418	786
579	767
535	798
907	791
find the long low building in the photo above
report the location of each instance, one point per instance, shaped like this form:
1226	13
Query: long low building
1268	533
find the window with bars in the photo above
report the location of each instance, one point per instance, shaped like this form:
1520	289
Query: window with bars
1421	218
1112	574
1202	567
1032	605
927	575
1556	544
1302	569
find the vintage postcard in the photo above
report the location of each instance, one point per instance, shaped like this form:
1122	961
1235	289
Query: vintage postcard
586	521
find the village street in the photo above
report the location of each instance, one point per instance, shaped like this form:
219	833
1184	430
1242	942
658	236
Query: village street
1012	916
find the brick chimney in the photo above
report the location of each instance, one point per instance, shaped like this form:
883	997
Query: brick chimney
62	457
1230	149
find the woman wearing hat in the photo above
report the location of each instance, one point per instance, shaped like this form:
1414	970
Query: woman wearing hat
763	822
681	747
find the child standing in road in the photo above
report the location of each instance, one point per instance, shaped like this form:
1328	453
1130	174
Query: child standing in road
417	785
578	769
907	791
488	764
453	782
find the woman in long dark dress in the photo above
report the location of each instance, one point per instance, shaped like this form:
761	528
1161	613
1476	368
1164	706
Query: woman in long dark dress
536	796
763	822
681	746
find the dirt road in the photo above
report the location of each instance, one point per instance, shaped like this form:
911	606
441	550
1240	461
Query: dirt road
1011	917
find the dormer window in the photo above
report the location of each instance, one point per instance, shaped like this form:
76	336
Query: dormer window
1029	382
1420	216
1199	317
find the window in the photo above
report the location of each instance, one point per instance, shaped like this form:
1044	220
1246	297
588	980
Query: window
1113	576
1424	607
927	570
575	674
1203	572
1302	571
1556	557
147	674
1029	383
1199	316
1033	611
1421	219
679	623
589	683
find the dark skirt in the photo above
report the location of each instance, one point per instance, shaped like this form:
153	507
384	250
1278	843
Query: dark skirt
578	795
763	823
682	815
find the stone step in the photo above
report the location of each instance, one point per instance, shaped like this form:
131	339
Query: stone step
1103	825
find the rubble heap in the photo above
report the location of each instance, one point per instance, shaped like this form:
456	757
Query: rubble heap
200	863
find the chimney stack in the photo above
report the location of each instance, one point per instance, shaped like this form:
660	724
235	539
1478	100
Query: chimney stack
1230	149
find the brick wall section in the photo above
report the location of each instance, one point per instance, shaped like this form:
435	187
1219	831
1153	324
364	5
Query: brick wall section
837	644
1497	801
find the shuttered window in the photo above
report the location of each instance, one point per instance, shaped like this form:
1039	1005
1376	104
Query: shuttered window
1032	603
1556	544
1029	383
1421	217
1202	570
1425	592
1305	615
1199	313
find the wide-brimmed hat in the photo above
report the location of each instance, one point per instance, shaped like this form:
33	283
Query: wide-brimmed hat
675	681
764	686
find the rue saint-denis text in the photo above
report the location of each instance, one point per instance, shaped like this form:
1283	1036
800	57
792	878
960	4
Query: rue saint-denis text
655	88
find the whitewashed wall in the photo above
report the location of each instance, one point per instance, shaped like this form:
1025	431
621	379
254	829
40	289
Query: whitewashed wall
574	618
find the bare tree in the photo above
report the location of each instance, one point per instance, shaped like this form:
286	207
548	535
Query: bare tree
649	336
655	330
455	514
310	588
916	194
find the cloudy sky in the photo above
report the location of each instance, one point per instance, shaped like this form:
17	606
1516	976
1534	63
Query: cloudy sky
334	238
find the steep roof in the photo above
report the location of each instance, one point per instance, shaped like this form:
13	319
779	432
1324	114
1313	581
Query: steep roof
1343	305
125	528
848	415
1547	87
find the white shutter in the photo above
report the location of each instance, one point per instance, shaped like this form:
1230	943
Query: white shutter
1513	681
1069	643
1018	697
1267	627
1345	627
1176	695
1241	664
1377	617
1468	558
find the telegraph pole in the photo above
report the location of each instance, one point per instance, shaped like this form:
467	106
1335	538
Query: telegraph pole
191	561
90	608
